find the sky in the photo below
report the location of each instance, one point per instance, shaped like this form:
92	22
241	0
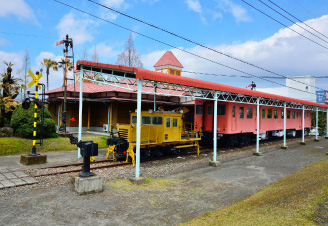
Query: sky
231	27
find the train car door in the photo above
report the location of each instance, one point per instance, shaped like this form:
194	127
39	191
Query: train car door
233	118
208	122
176	128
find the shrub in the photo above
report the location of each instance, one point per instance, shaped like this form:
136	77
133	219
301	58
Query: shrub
22	122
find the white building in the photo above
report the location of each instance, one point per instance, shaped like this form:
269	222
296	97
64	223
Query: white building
299	87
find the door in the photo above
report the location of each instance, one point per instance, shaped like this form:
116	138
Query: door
233	118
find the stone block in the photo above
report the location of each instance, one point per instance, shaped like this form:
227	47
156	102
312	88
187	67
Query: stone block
9	175
1	186
284	147
139	180
7	183
85	185
303	143
18	182
29	180
214	163
257	153
316	140
33	159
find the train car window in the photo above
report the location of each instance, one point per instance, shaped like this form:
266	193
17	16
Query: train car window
263	113
221	109
157	120
210	110
269	113
293	114
307	114
175	122
199	109
249	112
275	114
233	111
146	120
168	122
282	114
297	114
134	119
241	112
288	114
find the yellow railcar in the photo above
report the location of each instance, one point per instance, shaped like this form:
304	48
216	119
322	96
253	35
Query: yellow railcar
162	132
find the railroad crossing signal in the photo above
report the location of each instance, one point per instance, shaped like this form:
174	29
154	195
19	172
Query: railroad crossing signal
35	79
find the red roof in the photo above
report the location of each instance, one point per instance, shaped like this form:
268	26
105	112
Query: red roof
168	59
173	79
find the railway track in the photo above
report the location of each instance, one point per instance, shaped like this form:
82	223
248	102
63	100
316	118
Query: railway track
122	164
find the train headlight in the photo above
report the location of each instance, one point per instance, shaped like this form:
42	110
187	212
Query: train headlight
150	111
181	111
117	124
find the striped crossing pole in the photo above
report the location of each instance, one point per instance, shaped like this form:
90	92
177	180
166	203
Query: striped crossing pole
35	113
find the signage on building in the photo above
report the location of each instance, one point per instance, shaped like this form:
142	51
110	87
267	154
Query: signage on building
322	96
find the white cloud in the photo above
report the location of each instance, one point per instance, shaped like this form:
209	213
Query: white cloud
116	4
283	53
194	5
79	29
3	41
239	13
104	51
18	8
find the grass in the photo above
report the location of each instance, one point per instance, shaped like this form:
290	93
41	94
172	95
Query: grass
290	201
13	145
126	185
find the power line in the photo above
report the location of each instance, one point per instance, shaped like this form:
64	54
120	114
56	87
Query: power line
293	21
284	25
297	19
164	43
201	45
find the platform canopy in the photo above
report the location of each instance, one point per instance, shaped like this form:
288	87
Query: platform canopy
158	83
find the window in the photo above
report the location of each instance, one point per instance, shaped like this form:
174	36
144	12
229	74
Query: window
307	114
241	112
282	114
210	110
221	109
297	115
233	111
263	113
275	114
168	122
269	113
288	114
175	122
293	114
146	120
199	109
249	112
157	120
134	119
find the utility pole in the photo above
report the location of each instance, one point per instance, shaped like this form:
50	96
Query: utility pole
68	43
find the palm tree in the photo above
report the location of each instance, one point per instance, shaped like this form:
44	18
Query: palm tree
49	63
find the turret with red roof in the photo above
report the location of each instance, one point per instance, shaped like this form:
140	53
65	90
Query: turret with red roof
169	64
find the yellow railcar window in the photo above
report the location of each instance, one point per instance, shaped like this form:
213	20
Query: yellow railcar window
157	120
168	122
175	122
146	120
134	119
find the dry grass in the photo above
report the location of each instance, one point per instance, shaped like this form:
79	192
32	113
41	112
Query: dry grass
13	145
151	184
290	201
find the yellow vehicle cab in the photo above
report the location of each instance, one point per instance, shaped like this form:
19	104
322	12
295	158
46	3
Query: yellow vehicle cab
162	133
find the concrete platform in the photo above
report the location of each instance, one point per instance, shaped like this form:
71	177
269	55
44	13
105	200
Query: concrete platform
139	180
214	163
10	177
85	185
33	159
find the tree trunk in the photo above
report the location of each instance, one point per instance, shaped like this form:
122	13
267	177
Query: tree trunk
2	115
47	78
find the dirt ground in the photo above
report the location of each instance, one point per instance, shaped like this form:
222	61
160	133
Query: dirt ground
168	199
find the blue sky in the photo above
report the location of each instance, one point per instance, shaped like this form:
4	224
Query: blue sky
229	26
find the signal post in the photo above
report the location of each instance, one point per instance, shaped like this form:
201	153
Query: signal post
33	157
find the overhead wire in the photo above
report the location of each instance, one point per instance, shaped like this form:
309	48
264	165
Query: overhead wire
293	21
203	46
20	34
172	46
297	18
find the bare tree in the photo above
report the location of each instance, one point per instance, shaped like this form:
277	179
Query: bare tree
85	55
95	57
129	57
26	66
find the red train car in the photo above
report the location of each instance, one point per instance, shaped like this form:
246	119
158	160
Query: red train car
236	122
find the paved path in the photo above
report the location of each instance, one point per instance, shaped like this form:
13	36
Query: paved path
11	177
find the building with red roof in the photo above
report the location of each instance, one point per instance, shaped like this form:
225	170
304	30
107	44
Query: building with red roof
169	64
